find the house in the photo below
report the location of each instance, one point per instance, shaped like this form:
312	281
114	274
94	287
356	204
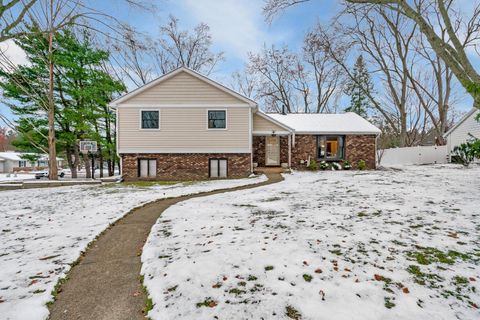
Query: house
185	126
11	161
466	129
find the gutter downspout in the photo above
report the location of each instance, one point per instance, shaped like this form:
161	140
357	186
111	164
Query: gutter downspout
289	151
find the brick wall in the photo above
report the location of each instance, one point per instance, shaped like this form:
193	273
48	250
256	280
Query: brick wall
305	147
357	147
185	166
258	149
361	147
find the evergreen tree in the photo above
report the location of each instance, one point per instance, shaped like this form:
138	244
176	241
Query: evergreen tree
82	91
358	89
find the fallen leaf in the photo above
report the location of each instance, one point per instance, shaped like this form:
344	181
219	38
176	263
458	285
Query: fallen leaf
305	263
472	279
318	270
33	282
212	304
405	290
378	277
136	293
348	270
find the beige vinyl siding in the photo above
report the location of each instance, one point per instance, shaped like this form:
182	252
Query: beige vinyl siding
186	89
261	124
183	129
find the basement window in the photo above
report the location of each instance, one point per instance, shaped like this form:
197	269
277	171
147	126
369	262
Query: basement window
218	168
330	147
147	168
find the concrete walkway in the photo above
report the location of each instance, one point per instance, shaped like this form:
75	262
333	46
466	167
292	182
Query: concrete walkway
105	284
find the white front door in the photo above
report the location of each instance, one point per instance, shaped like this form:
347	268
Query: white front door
272	151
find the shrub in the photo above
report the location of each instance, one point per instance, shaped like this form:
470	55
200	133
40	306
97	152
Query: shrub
347	165
312	165
467	152
323	165
361	165
335	166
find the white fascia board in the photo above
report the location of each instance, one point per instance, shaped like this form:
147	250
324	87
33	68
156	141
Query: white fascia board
269	133
184	150
353	133
166	105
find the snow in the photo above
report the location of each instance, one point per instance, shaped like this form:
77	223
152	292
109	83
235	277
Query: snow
15	177
44	230
401	243
323	123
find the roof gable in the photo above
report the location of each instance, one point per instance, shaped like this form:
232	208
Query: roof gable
183	87
470	113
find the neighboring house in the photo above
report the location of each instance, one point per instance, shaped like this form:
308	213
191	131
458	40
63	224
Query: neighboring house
185	126
466	129
11	161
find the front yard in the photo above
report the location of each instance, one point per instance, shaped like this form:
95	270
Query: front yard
394	244
43	231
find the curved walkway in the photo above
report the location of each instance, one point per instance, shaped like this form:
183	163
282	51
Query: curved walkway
105	284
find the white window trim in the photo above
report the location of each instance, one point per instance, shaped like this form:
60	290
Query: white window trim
140	120
226	119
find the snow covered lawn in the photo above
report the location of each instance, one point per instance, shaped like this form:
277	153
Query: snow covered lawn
43	231
10	177
327	245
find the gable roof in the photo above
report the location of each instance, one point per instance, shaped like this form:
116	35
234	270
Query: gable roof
273	120
462	120
323	123
173	73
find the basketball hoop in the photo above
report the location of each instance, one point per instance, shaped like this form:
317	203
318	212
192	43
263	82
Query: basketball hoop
88	147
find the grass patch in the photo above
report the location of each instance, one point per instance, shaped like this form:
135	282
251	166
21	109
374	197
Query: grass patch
422	278
307	277
147	301
269	268
429	255
252	278
208	302
388	303
292	313
237	291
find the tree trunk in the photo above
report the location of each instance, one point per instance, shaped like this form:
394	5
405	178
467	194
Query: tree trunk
76	163
88	167
52	151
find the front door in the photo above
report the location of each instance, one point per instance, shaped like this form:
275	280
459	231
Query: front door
272	151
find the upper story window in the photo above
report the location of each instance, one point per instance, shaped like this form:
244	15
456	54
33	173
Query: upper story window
150	119
330	147
217	119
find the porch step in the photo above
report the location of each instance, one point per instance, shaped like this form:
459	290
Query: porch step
271	170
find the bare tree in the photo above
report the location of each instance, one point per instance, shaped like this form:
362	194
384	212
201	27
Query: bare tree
452	49
328	75
280	76
12	17
192	49
245	83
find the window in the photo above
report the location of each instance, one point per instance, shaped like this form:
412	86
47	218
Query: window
330	147
147	168
150	119
22	164
217	119
218	168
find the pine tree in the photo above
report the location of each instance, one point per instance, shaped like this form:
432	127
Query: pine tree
358	89
82	90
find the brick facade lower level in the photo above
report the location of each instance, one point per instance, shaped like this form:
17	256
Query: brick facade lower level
357	147
185	166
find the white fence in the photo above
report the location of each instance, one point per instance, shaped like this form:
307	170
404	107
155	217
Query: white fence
413	155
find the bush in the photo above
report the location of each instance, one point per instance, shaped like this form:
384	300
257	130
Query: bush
312	165
467	152
335	166
323	165
361	165
347	165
